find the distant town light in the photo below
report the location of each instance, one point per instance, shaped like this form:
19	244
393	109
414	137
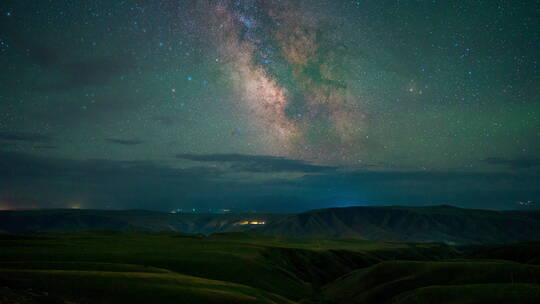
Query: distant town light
257	222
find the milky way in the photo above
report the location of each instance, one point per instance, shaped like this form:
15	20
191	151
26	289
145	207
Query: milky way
288	85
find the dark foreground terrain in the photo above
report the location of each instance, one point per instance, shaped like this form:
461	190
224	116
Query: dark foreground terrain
172	267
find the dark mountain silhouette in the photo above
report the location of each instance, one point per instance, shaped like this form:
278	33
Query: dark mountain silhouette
413	224
69	220
445	224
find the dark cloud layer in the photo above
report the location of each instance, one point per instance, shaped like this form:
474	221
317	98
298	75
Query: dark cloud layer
516	163
43	55
94	71
46	147
125	142
27	180
258	163
25	137
90	71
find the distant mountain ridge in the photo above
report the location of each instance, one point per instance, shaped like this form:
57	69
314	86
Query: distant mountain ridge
70	220
413	224
389	223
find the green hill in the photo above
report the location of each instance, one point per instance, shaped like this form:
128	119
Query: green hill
528	253
294	269
473	294
430	282
134	287
167	267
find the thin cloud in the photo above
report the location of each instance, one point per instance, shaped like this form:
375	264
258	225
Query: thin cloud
258	163
516	163
125	142
25	137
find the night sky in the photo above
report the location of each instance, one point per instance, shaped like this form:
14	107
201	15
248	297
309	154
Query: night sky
270	105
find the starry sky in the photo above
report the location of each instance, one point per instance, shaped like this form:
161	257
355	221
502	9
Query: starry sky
268	105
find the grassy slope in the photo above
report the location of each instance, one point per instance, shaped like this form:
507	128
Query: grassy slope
395	281
134	287
520	252
473	294
250	268
264	263
187	255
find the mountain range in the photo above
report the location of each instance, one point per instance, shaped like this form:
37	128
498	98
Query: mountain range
446	224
